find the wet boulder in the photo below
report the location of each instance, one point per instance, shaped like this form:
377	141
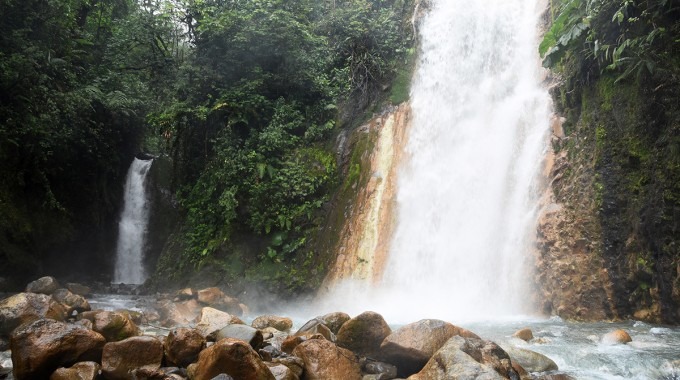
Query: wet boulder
42	346
335	320
279	323
529	360
244	333
216	298
524	334
232	357
212	320
79	289
183	345
295	364
181	313
379	370
185	295
25	307
79	371
616	337
324	360
281	372
364	333
411	346
120	359
72	302
114	326
44	285
316	326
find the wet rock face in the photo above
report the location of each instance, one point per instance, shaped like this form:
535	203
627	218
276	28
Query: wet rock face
364	333
25	307
324	360
121	359
40	347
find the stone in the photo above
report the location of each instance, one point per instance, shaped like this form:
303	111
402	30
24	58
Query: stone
335	320
411	346
183	345
324	360
26	307
490	354
524	334
42	346
245	333
79	289
181	313
279	323
289	344
529	360
364	333
185	294
79	371
216	298
114	326
316	326
281	372
295	364
616	337
120	359
222	376
72	302
163	373
44	285
451	363
212	320
232	357
380	370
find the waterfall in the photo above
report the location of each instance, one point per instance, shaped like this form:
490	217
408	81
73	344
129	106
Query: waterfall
467	193
132	226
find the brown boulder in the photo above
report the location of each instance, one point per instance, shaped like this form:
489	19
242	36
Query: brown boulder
279	323
114	326
364	333
530	360
616	337
120	359
316	326
42	346
26	307
216	298
295	364
79	371
185	294
212	320
178	313
44	285
524	334
281	372
72	302
335	320
182	346
412	345
78	289
325	361
232	357
244	333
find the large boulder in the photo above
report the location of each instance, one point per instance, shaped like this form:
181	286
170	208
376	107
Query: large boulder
182	346
181	313
42	346
26	307
524	334
364	333
121	359
616	337
316	326
114	326
529	360
335	320
216	298
72	302
452	363
379	370
281	372
324	360
279	323
411	346
212	320
244	333
44	285
79	289
232	357
79	371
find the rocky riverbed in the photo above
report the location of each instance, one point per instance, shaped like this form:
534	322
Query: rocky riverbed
54	332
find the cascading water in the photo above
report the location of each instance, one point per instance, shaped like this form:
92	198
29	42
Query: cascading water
467	194
132	226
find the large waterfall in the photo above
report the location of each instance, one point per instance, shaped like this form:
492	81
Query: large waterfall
467	192
132	226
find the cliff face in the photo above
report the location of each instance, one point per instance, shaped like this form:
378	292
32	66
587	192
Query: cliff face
609	235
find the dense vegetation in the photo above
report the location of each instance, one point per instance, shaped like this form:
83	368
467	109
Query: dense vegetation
245	97
618	68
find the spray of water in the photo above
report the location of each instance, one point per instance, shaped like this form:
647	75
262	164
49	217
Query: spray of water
132	226
466	198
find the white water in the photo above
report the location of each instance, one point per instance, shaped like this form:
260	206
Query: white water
466	198
132	226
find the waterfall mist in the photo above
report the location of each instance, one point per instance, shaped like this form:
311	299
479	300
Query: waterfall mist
467	191
132	227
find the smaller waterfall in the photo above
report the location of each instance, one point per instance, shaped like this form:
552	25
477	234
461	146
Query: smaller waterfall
132	226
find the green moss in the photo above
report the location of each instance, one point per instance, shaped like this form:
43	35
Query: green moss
401	85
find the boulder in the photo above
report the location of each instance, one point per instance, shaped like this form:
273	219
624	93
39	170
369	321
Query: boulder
379	370
44	285
232	357
335	320
72	302
114	326
295	364
411	346
452	363
120	359
216	298
281	372
42	346
316	326
324	360
245	333
529	360
164	373
181	313
212	320
289	344
279	323
524	334
616	337
182	346
364	333
79	371
489	353
26	307
79	289
185	294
